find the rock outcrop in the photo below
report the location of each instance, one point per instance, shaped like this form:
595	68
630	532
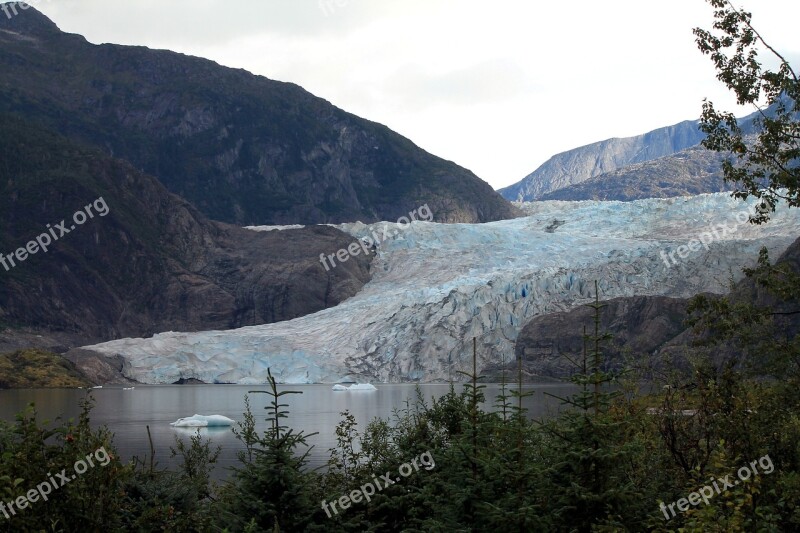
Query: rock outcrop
640	326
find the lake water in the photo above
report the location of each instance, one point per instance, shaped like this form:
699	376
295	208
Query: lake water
128	413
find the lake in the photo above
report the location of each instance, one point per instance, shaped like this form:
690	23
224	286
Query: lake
128	413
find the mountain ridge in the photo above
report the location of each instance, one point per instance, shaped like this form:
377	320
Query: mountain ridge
242	148
686	173
585	162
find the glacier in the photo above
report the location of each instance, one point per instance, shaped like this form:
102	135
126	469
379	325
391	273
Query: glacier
436	286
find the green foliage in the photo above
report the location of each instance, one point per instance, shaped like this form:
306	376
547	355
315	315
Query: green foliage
38	368
588	474
157	499
753	326
271	490
605	463
767	162
31	455
723	414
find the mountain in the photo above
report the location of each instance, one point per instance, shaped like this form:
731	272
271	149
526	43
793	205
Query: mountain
580	164
92	249
435	287
686	173
242	148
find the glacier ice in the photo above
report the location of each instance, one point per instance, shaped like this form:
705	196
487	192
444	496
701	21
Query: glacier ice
435	286
275	228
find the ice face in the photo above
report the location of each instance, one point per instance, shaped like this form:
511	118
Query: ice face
437	286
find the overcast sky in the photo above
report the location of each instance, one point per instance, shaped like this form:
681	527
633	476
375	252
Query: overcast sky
497	87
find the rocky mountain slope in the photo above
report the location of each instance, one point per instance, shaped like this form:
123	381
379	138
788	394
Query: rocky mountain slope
650	330
241	148
580	164
640	325
435	287
146	260
686	173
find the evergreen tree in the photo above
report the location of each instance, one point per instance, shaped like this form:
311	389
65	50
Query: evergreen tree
273	491
589	483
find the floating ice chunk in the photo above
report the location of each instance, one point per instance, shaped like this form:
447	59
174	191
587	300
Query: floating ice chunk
200	421
362	386
338	387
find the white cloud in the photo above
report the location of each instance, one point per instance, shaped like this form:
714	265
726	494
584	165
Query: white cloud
496	86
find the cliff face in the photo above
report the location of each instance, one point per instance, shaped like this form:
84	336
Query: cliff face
241	148
578	165
146	260
640	325
686	173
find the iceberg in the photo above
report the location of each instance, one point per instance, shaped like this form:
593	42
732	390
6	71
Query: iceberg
200	421
338	387
362	386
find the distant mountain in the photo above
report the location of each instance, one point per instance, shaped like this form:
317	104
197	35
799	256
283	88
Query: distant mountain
580	164
242	148
688	172
145	261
